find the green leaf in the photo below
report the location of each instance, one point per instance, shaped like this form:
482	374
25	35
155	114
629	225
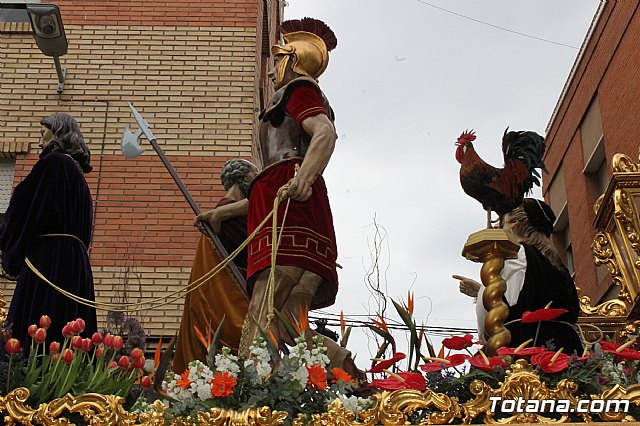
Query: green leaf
345	338
213	349
165	360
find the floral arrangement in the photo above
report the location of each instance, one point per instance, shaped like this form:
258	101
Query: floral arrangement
299	384
79	365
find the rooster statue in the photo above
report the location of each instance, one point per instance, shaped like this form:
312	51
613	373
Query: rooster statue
501	190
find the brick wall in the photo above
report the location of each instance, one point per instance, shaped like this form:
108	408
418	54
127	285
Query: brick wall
609	68
194	70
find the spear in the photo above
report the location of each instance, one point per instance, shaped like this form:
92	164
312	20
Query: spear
131	148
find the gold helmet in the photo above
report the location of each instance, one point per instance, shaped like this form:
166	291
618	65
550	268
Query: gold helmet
307	45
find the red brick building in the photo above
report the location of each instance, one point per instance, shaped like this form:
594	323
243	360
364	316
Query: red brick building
196	70
595	118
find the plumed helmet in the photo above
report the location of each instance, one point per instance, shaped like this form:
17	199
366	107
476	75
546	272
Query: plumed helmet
308	42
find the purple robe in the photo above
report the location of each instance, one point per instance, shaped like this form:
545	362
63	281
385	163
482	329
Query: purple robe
54	198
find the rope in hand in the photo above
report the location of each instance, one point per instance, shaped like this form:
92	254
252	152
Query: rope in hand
179	294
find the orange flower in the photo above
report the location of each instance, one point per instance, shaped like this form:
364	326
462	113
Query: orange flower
317	377
339	375
222	384
380	323
184	381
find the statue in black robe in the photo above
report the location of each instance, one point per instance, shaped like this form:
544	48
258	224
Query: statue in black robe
49	222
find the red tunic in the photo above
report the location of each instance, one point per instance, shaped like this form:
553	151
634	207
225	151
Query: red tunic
308	240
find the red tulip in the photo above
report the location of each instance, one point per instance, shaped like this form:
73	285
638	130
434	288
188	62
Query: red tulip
81	324
100	352
545	314
118	343
66	330
386	363
138	362
113	364
76	342
45	322
54	347
40	336
123	362
108	340
75	327
86	344
54	357
13	346
96	339
31	331
146	382
67	356
137	353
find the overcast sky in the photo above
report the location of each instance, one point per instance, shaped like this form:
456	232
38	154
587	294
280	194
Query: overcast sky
404	81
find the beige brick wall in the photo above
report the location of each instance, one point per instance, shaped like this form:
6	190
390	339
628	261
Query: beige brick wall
197	86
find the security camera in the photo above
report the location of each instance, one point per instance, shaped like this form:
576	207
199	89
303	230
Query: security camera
47	28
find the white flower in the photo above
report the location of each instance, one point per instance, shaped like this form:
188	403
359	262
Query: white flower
355	404
301	375
226	362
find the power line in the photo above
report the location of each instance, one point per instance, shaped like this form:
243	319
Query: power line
496	26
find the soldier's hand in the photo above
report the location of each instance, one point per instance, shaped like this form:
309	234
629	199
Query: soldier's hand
211	217
299	189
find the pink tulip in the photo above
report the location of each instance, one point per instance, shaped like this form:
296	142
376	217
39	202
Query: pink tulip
146	382
12	346
45	322
40	336
96	339
67	356
123	362
54	347
31	331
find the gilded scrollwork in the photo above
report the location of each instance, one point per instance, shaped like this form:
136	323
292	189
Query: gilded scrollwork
610	308
624	164
604	255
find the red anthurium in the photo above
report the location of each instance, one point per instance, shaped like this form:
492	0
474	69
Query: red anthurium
623	351
386	363
544	314
13	346
408	380
440	363
481	361
522	352
459	342
45	322
551	362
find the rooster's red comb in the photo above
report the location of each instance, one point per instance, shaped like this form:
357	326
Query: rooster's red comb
467	136
314	26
